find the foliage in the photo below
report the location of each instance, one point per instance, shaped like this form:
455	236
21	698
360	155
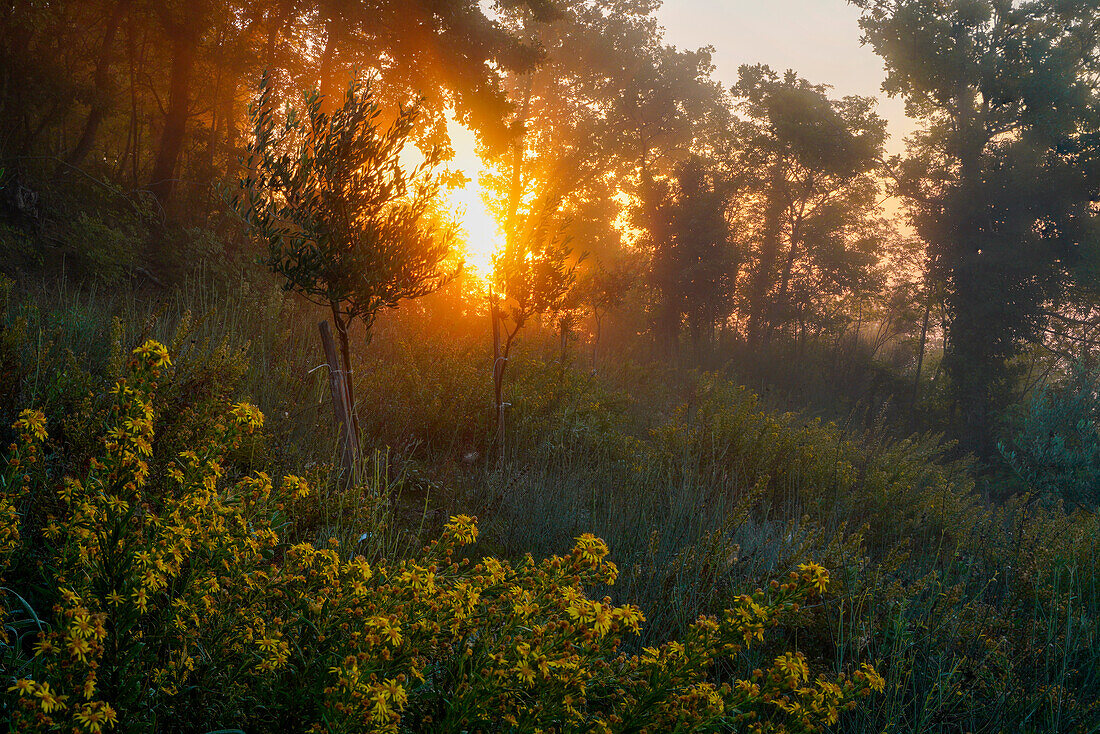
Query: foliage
1053	439
183	609
345	223
809	208
1002	178
978	615
112	87
695	266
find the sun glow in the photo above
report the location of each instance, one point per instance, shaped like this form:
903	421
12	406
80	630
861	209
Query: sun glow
481	231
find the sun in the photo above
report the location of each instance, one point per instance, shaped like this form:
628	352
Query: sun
482	233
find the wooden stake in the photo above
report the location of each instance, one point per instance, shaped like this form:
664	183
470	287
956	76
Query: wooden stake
498	375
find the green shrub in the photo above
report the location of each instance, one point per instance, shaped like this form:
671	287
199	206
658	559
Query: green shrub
1053	441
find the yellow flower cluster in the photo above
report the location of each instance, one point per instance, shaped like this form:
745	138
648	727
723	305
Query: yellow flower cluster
160	597
462	529
31	425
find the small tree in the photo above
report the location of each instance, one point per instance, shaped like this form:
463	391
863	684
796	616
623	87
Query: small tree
531	276
603	289
347	224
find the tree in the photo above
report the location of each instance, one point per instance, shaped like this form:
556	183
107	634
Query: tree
695	265
603	288
155	90
346	223
1003	177
809	197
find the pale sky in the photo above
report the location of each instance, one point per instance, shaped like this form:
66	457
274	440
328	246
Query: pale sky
819	39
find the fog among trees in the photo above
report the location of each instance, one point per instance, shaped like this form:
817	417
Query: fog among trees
299	299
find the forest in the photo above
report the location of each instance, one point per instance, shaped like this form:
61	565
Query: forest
501	366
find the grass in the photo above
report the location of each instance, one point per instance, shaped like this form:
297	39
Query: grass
983	617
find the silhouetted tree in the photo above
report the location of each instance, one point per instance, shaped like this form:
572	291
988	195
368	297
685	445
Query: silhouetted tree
809	194
695	264
1003	178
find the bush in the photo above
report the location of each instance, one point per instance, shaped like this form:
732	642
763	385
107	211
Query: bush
1053	440
139	605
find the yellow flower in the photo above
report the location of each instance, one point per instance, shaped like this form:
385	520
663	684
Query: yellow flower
590	548
93	716
391	631
247	416
44	647
792	666
816	575
631	616
82	626
394	691
874	680
295	486
47	699
525	672
141	599
393	635
79	648
601	619
153	354
381	711
32	424
25	687
462	528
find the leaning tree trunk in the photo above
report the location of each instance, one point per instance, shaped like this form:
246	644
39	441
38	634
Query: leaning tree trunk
101	83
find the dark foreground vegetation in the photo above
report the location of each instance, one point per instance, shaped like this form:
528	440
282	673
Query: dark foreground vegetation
746	451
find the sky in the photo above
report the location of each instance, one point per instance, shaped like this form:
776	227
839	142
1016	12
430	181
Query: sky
819	39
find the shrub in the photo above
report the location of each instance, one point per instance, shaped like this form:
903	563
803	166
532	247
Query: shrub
1054	439
181	610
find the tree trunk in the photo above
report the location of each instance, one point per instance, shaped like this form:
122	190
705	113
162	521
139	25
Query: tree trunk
498	375
762	279
920	351
228	103
342	327
348	437
788	270
511	226
185	38
327	83
101	82
596	339
135	129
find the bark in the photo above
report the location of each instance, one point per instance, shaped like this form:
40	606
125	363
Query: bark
342	327
101	86
920	351
788	267
515	190
184	41
348	437
769	253
328	84
498	374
